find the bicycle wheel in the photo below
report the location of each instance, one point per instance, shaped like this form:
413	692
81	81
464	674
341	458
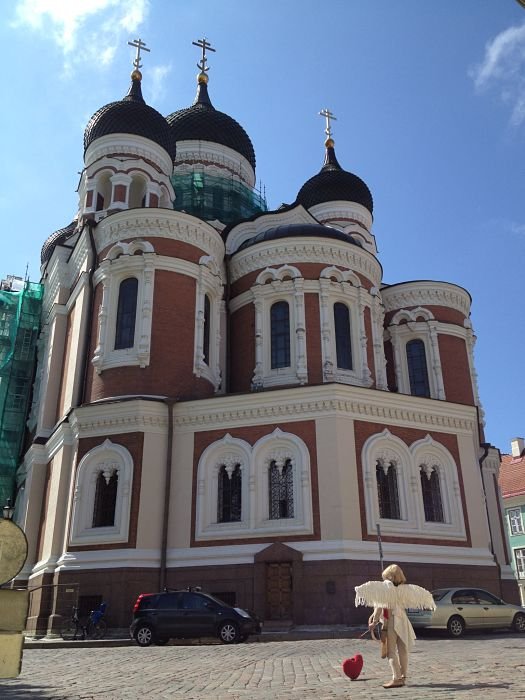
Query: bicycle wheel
97	630
70	631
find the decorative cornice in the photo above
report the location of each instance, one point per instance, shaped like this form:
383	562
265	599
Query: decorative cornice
339	210
213	155
297	250
127	416
159	223
110	145
426	293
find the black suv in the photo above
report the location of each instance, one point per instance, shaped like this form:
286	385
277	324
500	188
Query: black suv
157	617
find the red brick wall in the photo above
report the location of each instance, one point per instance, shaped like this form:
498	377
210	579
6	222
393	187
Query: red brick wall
164	246
363	430
369	345
119	193
455	369
63	375
313	339
303	429
242	348
390	367
170	371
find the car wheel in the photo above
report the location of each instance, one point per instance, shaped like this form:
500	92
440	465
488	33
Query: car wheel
144	636
519	622
455	626
229	633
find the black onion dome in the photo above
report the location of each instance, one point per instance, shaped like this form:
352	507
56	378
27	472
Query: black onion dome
131	115
333	183
202	122
56	238
300	231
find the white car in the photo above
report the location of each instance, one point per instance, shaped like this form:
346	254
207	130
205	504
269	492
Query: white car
458	609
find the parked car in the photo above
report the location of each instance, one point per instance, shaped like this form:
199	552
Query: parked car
458	609
189	613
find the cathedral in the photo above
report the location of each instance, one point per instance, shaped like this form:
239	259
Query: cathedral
230	397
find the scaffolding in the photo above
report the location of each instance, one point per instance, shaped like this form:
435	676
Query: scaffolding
212	197
20	309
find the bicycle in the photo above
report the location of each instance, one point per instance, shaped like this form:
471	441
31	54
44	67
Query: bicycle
94	628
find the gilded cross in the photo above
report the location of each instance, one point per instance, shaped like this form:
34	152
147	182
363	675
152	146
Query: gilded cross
328	116
140	45
203	44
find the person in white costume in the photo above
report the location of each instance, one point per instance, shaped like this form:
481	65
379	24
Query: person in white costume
389	599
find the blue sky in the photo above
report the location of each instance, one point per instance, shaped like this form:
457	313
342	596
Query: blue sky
430	103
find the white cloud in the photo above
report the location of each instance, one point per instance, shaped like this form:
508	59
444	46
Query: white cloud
69	24
157	82
503	68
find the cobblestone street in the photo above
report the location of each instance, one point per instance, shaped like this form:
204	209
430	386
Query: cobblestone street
491	665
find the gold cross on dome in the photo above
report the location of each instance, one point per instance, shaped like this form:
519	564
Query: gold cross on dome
328	116
203	44
139	44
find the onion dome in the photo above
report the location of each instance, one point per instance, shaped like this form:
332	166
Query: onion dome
300	231
333	183
131	115
56	238
202	122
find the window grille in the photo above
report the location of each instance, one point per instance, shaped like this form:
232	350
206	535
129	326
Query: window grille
281	490
229	495
387	491
431	492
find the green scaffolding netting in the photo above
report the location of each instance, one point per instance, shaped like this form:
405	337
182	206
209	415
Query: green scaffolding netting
19	327
212	197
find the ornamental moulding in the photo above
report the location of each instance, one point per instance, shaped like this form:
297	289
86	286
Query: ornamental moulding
437	295
283	252
173	225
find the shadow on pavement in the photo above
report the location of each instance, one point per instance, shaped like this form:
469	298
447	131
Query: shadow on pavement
461	686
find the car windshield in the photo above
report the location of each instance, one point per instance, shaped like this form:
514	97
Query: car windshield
439	595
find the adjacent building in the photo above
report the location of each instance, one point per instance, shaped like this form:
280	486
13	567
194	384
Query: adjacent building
233	397
512	484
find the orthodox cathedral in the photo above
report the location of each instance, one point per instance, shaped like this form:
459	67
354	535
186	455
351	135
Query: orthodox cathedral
231	397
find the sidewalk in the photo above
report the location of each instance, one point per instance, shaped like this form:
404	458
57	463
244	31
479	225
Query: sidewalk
120	637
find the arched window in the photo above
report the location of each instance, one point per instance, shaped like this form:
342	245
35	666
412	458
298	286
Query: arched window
206	330
105	499
126	314
280	334
229	494
281	490
417	368
431	492
343	343
387	490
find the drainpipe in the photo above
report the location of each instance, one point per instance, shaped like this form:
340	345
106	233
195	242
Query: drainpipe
170	404
486	446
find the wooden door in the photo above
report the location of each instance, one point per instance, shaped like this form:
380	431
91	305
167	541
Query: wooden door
279	591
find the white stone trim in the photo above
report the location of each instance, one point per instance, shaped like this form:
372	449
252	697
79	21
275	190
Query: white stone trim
340	211
111	273
427	332
254	462
296	250
385	447
264	297
108	457
426	293
209	283
213	157
103	150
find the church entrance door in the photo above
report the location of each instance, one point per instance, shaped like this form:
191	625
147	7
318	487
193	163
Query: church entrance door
279	591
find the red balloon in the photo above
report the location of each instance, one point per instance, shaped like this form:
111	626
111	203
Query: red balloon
352	667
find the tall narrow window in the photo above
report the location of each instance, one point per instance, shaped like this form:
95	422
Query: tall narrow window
281	490
515	521
519	555
229	494
387	491
105	500
206	330
343	343
280	334
126	314
431	492
100	202
417	368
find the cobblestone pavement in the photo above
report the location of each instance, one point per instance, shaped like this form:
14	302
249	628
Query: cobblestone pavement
491	666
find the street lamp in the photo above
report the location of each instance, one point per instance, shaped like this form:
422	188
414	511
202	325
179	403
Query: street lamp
8	510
